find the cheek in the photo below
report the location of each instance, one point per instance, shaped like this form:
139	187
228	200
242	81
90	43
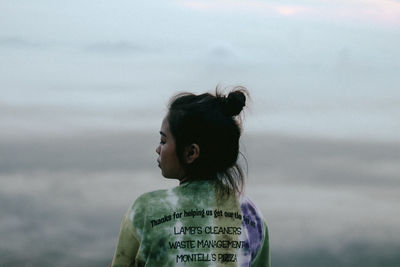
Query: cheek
170	155
164	153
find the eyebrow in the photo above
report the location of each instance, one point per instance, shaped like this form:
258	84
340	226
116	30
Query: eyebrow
163	134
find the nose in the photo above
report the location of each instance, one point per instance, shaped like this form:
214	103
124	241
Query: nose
158	150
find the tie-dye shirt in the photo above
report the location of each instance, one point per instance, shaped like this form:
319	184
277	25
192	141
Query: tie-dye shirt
189	226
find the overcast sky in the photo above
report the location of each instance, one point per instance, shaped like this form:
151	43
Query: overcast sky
324	68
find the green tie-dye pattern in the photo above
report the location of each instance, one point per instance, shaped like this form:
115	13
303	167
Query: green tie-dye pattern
155	240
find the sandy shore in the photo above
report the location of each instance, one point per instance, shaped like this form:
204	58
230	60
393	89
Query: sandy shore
327	202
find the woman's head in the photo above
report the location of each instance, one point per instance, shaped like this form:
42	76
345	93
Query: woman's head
206	135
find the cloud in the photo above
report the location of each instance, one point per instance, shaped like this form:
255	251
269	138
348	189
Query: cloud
385	12
222	50
119	47
251	6
17	42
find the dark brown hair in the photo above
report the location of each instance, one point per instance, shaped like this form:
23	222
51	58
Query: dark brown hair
210	122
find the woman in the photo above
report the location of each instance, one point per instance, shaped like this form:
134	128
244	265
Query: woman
206	220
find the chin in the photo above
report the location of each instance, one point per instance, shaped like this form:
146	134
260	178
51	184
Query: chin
169	176
165	174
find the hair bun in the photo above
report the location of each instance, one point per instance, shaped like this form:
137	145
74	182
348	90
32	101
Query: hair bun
234	103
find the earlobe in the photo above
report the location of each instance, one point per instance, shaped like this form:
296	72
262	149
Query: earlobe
192	153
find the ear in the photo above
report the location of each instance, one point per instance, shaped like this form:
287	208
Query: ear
192	152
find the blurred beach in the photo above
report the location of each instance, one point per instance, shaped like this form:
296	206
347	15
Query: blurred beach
327	202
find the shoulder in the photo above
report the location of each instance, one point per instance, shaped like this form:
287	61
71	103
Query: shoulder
142	207
253	218
249	207
254	225
154	202
150	197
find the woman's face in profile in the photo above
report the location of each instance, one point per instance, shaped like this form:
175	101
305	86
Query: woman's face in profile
168	160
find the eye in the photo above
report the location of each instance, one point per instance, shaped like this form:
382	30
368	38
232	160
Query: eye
162	142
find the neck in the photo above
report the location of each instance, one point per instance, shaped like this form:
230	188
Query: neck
183	179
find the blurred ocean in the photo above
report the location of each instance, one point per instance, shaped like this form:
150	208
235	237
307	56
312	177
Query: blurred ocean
327	203
64	92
